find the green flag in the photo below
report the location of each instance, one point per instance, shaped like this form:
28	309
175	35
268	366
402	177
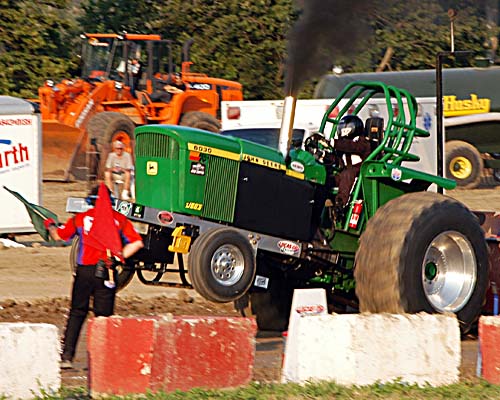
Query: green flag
37	214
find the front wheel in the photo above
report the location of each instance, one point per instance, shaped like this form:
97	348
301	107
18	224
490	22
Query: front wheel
431	257
221	265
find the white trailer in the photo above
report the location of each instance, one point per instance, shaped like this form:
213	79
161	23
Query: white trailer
20	162
236	114
309	113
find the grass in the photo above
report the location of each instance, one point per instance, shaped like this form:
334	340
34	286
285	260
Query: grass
479	389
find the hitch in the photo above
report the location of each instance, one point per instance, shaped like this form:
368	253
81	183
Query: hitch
180	242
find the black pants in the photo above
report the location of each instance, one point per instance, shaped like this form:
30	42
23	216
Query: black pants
85	286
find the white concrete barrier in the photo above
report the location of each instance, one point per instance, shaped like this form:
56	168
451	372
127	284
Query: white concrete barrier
29	360
362	349
304	302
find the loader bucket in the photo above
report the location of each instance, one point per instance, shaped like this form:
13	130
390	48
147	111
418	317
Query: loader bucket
63	152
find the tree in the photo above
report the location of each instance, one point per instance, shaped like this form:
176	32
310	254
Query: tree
237	40
35	44
116	16
247	40
417	30
240	40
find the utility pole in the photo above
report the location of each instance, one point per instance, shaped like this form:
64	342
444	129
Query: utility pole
492	28
452	14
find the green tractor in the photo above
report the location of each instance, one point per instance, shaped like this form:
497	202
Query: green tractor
256	224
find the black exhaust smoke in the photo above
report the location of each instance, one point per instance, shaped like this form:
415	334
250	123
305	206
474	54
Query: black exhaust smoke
324	30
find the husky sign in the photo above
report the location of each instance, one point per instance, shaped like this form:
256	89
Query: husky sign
20	162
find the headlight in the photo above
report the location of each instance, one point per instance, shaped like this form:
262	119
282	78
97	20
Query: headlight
141	227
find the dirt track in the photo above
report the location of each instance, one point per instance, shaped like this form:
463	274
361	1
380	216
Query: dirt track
35	285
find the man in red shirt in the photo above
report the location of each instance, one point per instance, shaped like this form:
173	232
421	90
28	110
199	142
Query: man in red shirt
86	284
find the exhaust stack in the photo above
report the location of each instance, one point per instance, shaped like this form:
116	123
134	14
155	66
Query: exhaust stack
286	130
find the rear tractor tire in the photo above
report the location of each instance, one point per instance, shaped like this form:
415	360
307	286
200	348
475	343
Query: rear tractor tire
221	265
103	129
423	252
201	120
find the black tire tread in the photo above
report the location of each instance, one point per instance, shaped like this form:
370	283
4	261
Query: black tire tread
196	266
379	286
269	311
102	126
201	120
194	273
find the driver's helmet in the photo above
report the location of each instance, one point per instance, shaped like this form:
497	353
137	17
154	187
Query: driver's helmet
350	126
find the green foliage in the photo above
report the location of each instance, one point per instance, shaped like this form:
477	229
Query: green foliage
417	30
117	16
468	390
35	44
243	40
237	40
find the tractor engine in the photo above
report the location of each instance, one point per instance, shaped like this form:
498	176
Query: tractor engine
229	180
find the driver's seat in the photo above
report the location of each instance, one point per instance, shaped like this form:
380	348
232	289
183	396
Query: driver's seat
374	128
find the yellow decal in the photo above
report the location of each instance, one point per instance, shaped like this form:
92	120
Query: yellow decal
213	151
295	174
263	161
234	156
152	168
454	108
193	206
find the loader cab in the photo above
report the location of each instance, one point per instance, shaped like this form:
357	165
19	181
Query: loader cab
109	56
97	52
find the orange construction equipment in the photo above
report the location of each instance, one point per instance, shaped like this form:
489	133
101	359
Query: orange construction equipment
127	80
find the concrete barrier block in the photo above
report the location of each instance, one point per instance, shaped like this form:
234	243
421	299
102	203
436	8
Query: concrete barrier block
137	355
29	360
209	352
489	342
361	349
120	354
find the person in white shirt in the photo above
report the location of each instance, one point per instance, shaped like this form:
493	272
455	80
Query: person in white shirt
118	169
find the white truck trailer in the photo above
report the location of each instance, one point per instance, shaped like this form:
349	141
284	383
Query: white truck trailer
20	162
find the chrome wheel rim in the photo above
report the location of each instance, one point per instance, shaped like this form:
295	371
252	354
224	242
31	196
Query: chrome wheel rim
227	265
449	272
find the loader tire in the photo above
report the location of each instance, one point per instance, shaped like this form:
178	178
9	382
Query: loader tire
103	129
124	276
221	265
463	164
201	120
423	252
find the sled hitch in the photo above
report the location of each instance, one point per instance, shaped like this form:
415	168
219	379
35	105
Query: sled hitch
181	242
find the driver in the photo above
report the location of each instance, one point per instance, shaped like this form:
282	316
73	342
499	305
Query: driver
352	141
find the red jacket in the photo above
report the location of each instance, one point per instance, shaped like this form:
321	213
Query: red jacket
80	225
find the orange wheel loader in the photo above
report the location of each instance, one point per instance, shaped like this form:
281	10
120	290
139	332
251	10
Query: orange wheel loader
126	80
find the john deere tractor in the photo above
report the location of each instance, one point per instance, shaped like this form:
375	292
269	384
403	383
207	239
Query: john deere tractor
256	224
